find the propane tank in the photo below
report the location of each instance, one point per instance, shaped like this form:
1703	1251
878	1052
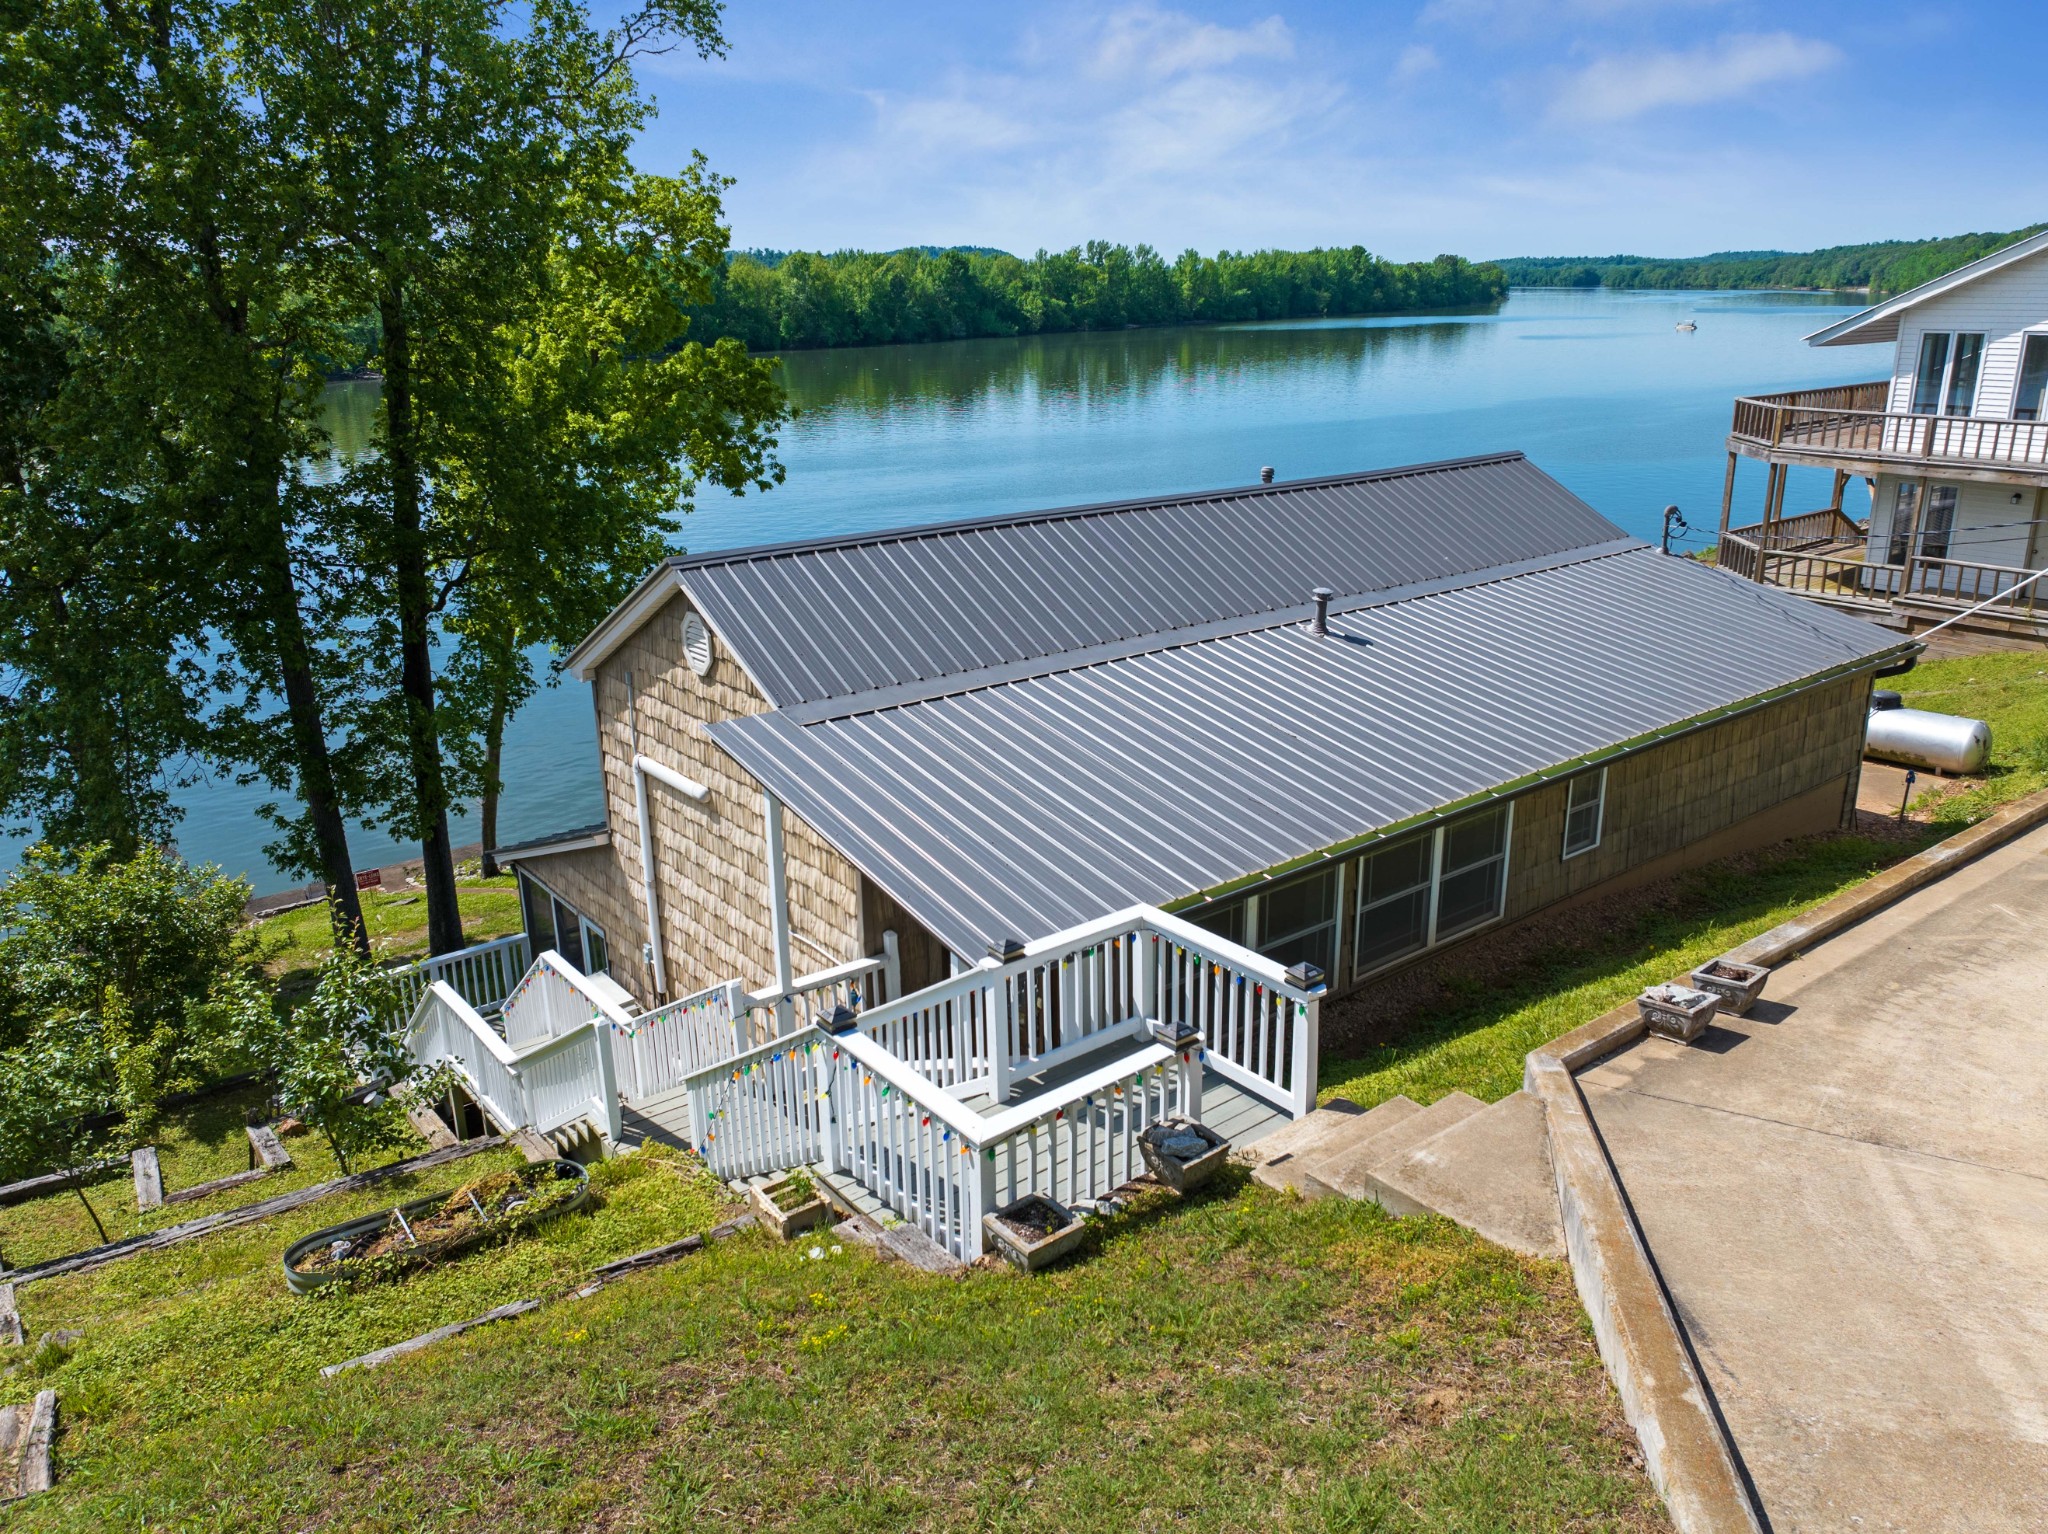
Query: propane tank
1916	737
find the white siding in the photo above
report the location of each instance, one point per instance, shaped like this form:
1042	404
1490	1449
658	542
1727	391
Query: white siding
1989	529
2005	306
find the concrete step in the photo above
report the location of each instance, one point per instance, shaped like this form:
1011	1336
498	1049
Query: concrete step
1490	1171
1344	1169
1337	1134
1290	1139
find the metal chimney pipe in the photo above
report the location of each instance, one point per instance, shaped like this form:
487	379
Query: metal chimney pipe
1266	475
1319	625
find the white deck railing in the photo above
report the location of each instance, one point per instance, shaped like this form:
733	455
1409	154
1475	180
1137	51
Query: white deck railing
856	984
483	976
987	1029
658	1050
763	1110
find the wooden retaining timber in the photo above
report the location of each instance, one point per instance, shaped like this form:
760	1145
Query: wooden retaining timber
227	1219
49	1182
640	1262
11	1334
25	1434
267	1149
149	1178
201	1190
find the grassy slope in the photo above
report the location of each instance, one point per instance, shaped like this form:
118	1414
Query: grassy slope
1238	1360
297	941
1476	1043
196	1144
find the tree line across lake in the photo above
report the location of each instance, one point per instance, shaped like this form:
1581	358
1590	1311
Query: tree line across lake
1889	266
775	301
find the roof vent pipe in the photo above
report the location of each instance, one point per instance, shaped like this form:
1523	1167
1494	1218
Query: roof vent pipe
1319	625
1266	475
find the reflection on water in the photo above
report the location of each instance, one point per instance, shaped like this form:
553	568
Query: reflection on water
1600	389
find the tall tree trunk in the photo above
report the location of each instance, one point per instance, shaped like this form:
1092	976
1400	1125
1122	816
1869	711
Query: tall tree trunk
494	756
415	615
292	649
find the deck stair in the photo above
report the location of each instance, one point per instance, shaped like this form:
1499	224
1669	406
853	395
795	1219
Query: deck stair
1486	1166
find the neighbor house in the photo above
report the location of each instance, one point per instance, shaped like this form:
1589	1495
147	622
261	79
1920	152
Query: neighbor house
945	860
1951	451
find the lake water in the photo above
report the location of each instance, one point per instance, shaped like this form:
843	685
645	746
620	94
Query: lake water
1600	389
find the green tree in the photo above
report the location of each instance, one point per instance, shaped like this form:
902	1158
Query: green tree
53	1114
471	164
138	973
337	1056
147	198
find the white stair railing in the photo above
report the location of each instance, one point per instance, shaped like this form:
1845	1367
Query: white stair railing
551	1000
445	1028
483	976
542	1087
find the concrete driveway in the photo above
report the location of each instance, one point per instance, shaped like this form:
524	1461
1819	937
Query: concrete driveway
1847	1196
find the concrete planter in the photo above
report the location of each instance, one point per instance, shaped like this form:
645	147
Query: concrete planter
1172	1157
1050	1231
1737	984
790	1204
1677	1012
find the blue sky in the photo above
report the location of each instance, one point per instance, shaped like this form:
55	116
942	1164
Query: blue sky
1488	127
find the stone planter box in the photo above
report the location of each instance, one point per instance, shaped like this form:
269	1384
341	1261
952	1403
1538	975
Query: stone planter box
1172	1157
1051	1230
790	1204
1737	984
1677	1012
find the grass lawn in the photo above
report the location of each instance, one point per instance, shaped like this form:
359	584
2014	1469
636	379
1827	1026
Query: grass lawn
1476	1041
297	941
1234	1361
196	1144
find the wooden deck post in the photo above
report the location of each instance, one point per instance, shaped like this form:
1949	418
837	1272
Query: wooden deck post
1307	1056
1728	492
607	1079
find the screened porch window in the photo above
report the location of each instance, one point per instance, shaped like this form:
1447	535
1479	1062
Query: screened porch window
2026	403
1298	922
1475	870
1393	902
551	922
1225	919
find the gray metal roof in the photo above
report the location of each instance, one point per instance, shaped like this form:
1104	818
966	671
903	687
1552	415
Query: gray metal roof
1025	806
834	617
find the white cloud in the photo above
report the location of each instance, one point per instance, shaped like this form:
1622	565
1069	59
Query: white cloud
1111	124
1621	86
1152	44
1520	15
1415	62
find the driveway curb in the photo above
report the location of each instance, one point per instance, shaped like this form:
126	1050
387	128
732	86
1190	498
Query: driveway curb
1685	1447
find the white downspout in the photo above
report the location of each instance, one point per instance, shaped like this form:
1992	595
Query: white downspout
645	767
778	913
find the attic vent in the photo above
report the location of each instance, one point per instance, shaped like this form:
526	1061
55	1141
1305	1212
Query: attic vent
696	644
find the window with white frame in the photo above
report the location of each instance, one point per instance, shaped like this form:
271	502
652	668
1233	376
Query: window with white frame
1393	902
2028	395
1472	883
551	922
1585	806
1945	379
